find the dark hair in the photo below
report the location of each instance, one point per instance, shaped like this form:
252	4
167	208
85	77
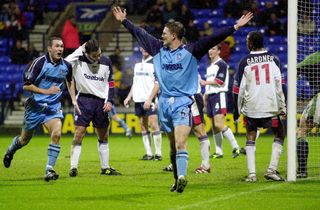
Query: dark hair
176	28
255	40
50	40
92	46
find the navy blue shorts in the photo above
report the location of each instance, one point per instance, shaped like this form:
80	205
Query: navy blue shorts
253	123
274	123
140	112
216	104
91	108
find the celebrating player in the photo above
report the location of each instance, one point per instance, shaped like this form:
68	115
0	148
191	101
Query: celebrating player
176	70
44	79
258	95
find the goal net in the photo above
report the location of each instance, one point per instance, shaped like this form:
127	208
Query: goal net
308	80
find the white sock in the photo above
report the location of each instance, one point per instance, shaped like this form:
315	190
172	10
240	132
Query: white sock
103	149
229	135
147	143
157	139
218	142
258	133
275	155
75	155
205	151
251	153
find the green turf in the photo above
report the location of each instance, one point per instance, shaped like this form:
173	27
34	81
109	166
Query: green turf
143	184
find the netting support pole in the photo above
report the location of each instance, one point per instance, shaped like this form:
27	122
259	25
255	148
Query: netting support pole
292	90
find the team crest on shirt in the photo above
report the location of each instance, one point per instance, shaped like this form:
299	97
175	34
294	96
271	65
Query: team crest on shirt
179	56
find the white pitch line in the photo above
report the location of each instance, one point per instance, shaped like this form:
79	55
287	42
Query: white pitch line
222	198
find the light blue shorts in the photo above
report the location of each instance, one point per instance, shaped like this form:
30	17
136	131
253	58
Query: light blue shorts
37	114
174	111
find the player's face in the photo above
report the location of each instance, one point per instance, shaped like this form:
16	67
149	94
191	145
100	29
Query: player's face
213	52
56	50
167	37
95	56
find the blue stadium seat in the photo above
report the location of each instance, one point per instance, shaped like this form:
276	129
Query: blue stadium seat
277	40
12	68
199	22
227	22
217	13
5	60
3	43
2	69
303	89
3	78
201	13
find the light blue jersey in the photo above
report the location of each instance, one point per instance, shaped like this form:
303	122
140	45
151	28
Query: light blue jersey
176	71
43	73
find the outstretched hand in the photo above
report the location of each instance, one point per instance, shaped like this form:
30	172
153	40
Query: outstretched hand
244	20
119	14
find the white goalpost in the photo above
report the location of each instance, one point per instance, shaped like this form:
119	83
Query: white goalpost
303	148
292	90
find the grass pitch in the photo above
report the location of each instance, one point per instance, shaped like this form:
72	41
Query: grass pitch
143	184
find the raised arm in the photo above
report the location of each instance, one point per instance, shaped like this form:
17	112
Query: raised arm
145	40
201	47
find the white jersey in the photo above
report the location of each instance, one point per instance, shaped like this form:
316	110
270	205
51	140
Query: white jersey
199	85
258	85
218	72
143	80
91	77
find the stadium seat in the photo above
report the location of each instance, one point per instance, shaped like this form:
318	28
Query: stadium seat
12	68
5	60
227	22
217	13
199	22
277	40
303	89
3	43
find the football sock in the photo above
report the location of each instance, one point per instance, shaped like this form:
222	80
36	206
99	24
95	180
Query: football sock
218	142
205	150
53	153
182	162
174	163
147	143
14	146
275	154
157	139
75	155
258	133
123	124
251	162
227	132
103	149
302	154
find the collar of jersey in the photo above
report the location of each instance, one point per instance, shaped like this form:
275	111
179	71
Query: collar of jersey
258	52
48	59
